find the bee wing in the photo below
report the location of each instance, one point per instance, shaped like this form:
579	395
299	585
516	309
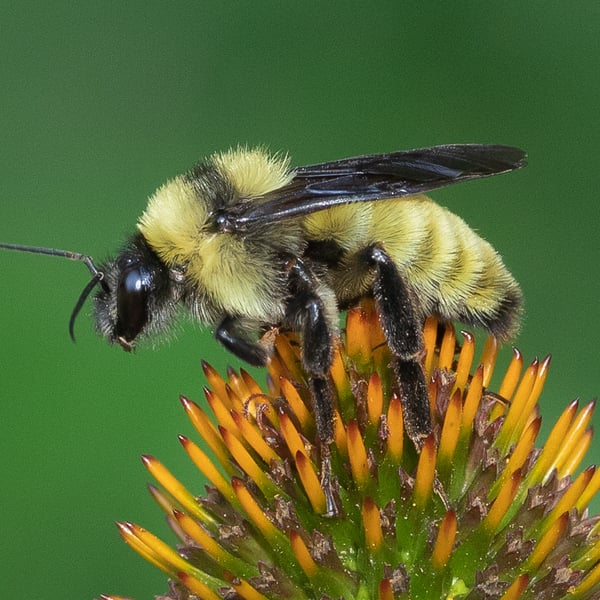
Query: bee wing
377	177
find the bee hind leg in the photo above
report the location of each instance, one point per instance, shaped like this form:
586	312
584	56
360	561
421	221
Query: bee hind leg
402	329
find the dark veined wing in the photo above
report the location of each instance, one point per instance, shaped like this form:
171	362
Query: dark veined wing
376	177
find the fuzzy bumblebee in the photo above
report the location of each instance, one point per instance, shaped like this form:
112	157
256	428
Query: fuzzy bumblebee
246	244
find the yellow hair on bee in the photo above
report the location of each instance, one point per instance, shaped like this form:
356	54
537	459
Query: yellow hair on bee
346	225
253	171
215	268
172	220
453	272
176	216
177	224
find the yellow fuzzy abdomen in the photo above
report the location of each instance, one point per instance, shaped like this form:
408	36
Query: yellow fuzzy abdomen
451	271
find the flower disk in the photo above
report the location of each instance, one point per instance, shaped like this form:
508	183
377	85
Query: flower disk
479	512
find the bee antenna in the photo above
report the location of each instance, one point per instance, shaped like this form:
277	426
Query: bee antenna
89	262
97	275
94	281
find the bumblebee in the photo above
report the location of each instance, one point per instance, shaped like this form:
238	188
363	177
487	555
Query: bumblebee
245	243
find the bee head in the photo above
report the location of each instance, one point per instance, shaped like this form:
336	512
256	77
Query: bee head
137	297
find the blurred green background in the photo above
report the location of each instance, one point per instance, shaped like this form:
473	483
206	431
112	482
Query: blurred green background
102	102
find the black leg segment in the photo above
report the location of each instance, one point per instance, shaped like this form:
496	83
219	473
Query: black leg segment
402	329
244	349
396	312
320	390
306	313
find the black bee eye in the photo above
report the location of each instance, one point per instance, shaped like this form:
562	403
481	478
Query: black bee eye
132	301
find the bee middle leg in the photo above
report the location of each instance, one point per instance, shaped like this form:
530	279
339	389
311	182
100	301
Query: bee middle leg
402	329
306	313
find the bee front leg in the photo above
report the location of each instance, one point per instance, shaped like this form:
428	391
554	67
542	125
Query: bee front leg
227	334
307	315
402	329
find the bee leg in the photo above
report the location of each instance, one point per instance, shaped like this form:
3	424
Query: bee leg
306	313
403	334
320	391
250	352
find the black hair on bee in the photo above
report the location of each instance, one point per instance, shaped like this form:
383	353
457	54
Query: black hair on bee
244	242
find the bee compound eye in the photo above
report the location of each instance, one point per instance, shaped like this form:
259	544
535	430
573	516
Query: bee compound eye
132	302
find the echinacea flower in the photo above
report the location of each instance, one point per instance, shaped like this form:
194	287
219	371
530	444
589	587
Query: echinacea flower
479	513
